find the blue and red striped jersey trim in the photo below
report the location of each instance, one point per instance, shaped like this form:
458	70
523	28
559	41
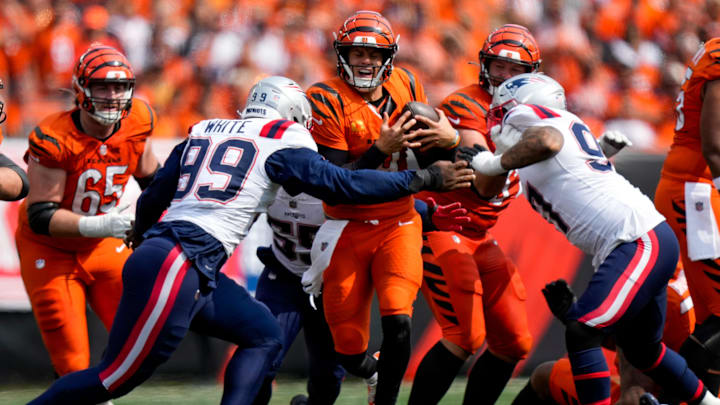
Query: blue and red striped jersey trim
275	129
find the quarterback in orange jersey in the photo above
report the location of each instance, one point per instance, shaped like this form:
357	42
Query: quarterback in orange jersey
70	228
687	195
358	124
474	290
552	382
13	180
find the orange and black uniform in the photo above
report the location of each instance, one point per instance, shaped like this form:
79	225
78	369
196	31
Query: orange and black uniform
472	287
62	273
380	247
685	164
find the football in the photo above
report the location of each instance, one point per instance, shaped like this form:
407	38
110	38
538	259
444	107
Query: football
425	158
417	108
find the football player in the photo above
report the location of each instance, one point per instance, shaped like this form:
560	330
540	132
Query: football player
70	229
687	195
214	185
473	289
552	382
570	182
358	124
13	180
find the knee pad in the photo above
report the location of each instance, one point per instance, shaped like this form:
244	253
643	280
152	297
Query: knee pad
579	336
516	350
48	306
350	338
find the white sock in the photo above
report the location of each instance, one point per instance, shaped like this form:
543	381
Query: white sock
709	399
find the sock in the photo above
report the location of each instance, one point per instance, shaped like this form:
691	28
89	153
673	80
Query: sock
263	396
487	379
434	375
362	365
671	372
591	376
394	357
528	396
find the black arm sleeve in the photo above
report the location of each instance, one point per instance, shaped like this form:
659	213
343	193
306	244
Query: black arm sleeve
6	162
371	159
144	182
40	214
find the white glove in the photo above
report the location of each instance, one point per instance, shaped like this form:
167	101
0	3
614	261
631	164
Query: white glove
504	137
312	281
612	142
113	224
488	164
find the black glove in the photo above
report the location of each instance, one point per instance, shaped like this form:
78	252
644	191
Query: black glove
467	153
559	298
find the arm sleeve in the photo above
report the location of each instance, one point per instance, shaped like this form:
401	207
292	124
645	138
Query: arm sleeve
371	159
158	195
6	162
302	170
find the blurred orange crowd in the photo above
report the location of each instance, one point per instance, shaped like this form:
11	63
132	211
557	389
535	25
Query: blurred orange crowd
621	61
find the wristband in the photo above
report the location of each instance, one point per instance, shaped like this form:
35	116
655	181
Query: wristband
716	182
456	140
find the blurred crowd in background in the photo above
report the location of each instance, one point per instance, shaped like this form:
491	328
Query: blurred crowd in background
621	61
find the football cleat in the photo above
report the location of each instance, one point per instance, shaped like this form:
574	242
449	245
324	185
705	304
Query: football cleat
372	383
299	399
649	399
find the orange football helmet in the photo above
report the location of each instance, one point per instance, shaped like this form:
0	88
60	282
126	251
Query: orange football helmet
2	105
511	43
102	64
365	29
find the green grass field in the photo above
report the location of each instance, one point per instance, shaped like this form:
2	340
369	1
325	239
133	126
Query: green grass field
353	392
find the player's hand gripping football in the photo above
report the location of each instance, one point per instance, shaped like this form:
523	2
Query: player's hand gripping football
481	159
393	138
559	298
449	217
439	133
114	224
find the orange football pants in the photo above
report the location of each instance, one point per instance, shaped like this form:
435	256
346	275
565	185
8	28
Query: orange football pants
60	283
475	293
703	276
384	256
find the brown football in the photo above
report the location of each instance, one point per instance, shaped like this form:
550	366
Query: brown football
431	155
417	108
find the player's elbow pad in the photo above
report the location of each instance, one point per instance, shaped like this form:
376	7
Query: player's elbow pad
40	214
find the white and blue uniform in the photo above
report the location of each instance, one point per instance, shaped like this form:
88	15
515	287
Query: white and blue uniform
294	221
213	185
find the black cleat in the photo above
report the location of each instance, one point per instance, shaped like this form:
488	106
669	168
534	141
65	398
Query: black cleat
649	399
299	399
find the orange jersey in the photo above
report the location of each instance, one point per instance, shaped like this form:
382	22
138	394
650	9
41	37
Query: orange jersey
467	108
685	161
343	120
97	171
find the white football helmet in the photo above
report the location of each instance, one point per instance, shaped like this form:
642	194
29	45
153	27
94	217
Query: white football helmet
526	88
278	97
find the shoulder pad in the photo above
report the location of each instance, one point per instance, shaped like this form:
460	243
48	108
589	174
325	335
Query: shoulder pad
297	136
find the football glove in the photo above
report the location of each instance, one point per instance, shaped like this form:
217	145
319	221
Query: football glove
559	298
612	142
449	217
114	224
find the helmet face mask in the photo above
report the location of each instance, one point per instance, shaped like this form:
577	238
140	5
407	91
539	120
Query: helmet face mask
510	43
277	97
2	105
104	83
365	29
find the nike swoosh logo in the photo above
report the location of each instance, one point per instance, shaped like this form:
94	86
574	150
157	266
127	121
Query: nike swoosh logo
401	223
120	248
317	121
454	121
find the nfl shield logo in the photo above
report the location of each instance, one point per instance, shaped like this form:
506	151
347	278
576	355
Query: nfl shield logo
103	150
698	205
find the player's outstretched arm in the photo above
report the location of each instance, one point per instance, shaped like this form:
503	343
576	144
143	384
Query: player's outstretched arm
303	170
159	194
14	183
536	144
